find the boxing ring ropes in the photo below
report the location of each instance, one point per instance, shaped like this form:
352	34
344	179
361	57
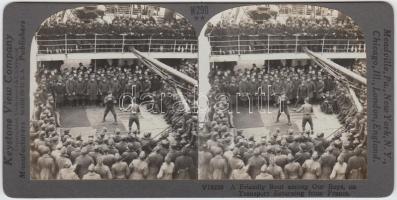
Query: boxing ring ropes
167	73
267	44
95	43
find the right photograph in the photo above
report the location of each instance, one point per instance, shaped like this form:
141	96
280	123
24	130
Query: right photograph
286	95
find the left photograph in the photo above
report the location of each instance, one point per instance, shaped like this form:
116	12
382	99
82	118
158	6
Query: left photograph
114	95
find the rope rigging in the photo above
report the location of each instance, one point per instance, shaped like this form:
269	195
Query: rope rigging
348	78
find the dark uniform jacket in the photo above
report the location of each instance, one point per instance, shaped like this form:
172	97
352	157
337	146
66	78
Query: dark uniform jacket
81	88
92	88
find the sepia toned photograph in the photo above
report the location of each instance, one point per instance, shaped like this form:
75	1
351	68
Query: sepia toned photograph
286	95
209	99
114	95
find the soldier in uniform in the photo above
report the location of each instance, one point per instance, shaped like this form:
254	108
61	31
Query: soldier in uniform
92	91
240	173
128	86
108	158
137	88
264	85
310	89
218	166
154	161
204	157
184	166
302	93
255	163
253	89
235	159
122	144
120	169
60	91
275	170
329	83
256	84
319	88
293	169
46	164
147	142
327	161
244	91
327	105
115	87
146	85
233	90
311	168
303	154
91	174
264	175
71	91
130	154
62	158
295	85
34	156
67	172
103	170
166	170
339	169
320	143
81	92
356	165
82	162
289	90
280	158
164	147
123	82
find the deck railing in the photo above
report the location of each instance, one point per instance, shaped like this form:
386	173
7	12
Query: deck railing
95	43
259	44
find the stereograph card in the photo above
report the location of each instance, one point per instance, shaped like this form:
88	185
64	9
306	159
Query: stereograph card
198	99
